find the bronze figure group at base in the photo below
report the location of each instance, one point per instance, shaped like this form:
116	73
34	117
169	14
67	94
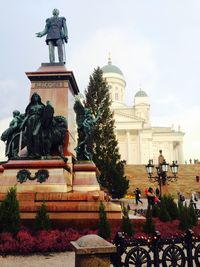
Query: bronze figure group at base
85	126
41	133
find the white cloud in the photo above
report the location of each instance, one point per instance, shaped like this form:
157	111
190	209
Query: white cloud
10	99
166	99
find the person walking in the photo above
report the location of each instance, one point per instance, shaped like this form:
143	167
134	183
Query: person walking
157	192
194	199
150	197
137	193
181	197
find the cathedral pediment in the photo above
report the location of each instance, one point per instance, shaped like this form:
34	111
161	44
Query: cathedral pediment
142	104
126	117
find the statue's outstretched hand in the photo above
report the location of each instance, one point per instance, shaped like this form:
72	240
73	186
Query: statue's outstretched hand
38	34
66	39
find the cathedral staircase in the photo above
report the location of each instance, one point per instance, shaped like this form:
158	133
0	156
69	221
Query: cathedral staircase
185	184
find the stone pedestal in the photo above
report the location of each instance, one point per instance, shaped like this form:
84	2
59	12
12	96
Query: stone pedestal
71	192
85	176
59	180
54	83
92	250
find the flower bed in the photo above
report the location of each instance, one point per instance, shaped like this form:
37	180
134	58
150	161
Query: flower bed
44	241
26	242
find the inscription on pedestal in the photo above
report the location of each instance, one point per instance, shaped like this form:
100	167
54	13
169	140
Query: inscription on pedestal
48	84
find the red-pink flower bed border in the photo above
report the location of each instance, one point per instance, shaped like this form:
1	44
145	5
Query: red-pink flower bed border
26	242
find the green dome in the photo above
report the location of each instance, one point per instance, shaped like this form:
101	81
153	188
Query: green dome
141	93
111	68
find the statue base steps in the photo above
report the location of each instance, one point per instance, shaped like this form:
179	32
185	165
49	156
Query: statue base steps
67	209
71	193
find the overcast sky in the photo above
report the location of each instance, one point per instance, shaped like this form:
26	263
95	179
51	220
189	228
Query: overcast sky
156	44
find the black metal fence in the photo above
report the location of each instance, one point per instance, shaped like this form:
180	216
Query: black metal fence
156	251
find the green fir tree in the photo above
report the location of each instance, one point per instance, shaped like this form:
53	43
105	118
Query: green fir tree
42	221
9	213
105	151
104	225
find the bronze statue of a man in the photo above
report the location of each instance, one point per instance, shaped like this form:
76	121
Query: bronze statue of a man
57	34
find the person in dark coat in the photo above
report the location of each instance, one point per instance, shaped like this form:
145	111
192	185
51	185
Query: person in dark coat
157	192
137	193
150	197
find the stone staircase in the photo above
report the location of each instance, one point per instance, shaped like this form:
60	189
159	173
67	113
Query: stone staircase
186	182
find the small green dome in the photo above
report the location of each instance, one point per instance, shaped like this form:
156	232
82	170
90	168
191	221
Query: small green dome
109	68
141	93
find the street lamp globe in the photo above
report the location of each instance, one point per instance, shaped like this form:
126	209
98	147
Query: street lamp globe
149	167
174	168
164	166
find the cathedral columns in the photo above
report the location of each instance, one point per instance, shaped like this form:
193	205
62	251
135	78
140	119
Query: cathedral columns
180	153
173	154
139	158
128	147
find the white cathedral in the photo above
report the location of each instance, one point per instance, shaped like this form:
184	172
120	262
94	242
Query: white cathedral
139	141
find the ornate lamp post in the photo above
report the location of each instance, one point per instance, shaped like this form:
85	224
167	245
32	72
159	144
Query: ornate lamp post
162	177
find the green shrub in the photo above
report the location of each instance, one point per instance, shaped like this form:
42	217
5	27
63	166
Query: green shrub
180	208
171	207
104	225
149	227
164	214
192	215
127	226
155	210
185	220
9	213
42	221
